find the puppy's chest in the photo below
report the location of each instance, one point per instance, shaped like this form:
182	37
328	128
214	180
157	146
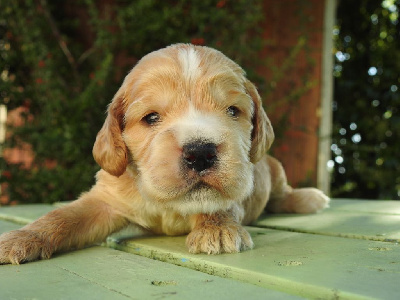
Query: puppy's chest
162	221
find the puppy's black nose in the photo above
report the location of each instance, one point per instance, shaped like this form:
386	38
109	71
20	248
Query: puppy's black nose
199	156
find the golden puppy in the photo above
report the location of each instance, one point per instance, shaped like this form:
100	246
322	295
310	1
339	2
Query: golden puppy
182	150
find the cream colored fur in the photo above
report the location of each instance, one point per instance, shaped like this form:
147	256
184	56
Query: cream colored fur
144	178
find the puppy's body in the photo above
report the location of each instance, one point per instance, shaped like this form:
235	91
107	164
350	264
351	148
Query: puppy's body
182	151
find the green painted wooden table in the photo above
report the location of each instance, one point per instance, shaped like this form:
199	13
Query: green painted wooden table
350	251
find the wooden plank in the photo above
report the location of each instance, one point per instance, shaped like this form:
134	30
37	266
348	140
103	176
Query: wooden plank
371	220
44	280
104	273
307	265
24	214
7	226
369	206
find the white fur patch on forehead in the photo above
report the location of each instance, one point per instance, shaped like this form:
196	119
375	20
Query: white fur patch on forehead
190	62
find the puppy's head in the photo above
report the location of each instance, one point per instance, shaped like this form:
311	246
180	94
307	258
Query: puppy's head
189	126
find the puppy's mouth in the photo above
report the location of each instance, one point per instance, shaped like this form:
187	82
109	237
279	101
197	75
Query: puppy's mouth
208	181
201	186
197	181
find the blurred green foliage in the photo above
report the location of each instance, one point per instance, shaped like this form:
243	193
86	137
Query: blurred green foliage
63	61
366	135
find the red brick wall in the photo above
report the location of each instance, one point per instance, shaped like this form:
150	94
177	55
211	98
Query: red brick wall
286	22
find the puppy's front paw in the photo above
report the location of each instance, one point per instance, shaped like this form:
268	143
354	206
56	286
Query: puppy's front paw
215	239
20	246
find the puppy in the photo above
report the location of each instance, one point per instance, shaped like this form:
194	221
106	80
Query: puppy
182	151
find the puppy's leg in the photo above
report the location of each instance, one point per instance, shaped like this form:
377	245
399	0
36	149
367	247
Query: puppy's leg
285	199
217	233
83	222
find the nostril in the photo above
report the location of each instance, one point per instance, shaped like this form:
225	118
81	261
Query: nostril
200	156
190	158
211	156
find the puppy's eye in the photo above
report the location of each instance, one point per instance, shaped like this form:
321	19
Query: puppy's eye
152	118
233	111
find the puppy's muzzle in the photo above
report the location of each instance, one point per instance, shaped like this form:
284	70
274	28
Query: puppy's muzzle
199	156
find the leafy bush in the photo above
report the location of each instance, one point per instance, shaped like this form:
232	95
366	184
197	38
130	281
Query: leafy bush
367	97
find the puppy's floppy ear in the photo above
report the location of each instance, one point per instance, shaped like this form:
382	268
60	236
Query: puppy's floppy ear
109	150
263	134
